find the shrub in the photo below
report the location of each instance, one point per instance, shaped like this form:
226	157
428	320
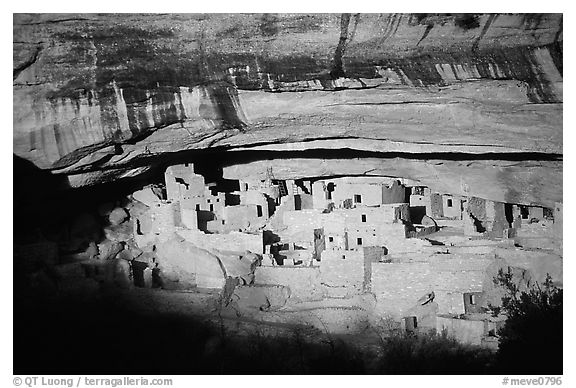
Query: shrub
531	339
431	353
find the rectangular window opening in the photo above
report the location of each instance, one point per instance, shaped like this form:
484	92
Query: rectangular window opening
359	240
363	217
357	198
449	203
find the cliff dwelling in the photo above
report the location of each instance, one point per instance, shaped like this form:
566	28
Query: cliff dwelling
216	193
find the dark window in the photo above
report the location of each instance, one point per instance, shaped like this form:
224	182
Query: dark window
330	238
359	241
410	323
357	198
472	299
197	206
524	212
363	217
259	210
211	208
449	203
329	190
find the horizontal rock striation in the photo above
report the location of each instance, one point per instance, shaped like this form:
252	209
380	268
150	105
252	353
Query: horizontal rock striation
102	97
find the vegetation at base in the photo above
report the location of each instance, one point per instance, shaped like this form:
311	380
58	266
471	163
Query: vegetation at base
104	336
531	339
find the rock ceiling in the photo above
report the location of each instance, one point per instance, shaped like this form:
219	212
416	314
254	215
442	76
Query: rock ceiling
465	103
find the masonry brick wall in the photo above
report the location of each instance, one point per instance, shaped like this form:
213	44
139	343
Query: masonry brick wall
182	182
254	197
189	218
304	282
465	331
371	194
454	211
395	193
319	195
343	272
242	217
233	241
398	286
449	302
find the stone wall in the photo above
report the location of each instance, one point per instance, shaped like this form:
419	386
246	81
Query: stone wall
182	182
233	241
342	273
455	210
465	331
558	222
243	217
304	282
156	224
375	226
398	286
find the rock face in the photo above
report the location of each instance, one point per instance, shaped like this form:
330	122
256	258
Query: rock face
105	97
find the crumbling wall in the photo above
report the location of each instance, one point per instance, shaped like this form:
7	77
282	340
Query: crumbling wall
297	256
477	207
395	193
182	182
500	223
206	202
156	224
437	206
147	195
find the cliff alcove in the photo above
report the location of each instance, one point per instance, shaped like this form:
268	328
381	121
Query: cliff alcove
281	175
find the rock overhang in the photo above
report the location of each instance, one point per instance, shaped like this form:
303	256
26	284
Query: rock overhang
101	97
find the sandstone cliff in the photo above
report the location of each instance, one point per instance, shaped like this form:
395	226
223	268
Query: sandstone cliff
465	103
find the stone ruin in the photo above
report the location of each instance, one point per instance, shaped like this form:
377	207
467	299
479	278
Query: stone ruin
339	254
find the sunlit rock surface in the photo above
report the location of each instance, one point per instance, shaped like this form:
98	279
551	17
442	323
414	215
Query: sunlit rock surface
104	97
